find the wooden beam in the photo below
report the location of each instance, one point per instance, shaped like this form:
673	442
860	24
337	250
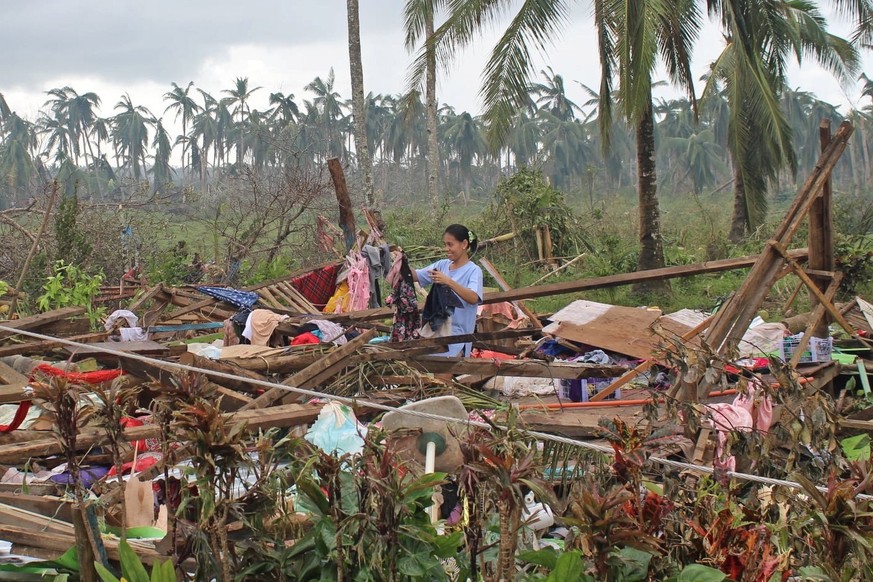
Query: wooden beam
224	367
39	320
146	297
815	291
734	317
525	368
817	315
42	347
628	278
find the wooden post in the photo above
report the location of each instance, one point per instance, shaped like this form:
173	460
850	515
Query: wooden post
346	215
821	236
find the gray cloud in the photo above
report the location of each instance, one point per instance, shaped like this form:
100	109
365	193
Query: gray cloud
161	40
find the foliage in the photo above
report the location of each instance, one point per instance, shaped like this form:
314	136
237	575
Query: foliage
854	257
73	243
71	286
532	205
368	521
132	569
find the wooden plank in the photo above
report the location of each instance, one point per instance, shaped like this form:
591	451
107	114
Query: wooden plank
821	235
458	339
9	375
42	347
210	325
331	361
55	507
39	320
61	542
98	349
525	368
520	304
146	297
224	367
626	330
628	278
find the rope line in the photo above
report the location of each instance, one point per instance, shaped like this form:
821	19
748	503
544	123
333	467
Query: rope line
385	408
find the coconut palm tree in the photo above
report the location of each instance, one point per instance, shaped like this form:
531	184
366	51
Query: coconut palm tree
285	110
463	135
77	112
130	134
238	97
328	108
760	38
17	156
182	102
161	170
552	96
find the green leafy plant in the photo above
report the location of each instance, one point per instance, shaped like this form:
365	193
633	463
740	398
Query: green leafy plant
71	286
133	570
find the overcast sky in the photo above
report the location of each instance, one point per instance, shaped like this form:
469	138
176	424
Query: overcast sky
117	46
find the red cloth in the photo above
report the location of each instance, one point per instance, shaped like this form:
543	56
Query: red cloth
95	377
305	338
20	415
142	464
317	286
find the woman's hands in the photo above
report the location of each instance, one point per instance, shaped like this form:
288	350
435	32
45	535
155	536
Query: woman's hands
441	278
464	293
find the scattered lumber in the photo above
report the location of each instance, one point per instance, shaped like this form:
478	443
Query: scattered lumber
38	321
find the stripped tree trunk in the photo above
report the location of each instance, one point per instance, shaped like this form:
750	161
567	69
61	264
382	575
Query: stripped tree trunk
358	111
740	217
433	151
651	244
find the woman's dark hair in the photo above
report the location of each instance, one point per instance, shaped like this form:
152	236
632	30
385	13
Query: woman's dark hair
461	233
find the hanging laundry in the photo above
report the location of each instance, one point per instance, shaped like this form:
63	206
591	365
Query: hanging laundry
359	283
378	264
407	318
339	301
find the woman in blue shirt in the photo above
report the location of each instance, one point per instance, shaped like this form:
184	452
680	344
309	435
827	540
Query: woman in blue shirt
462	276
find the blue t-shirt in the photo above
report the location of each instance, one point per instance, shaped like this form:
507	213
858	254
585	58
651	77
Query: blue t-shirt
464	317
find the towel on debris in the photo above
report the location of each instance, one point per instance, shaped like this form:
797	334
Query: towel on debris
260	326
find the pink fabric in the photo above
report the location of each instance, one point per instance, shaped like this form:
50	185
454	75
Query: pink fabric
359	284
748	412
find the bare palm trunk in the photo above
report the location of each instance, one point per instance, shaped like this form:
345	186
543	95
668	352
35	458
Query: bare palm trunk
357	73
433	152
651	244
740	217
